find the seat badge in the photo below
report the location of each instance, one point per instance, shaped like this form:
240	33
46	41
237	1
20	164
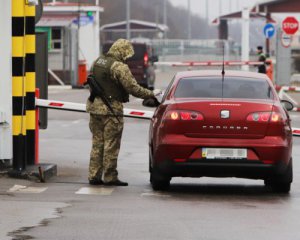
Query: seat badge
225	114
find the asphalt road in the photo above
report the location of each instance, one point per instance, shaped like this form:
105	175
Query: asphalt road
66	207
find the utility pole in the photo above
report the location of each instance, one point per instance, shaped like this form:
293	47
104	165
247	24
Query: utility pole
245	36
165	17
128	20
157	16
189	20
207	20
96	29
238	5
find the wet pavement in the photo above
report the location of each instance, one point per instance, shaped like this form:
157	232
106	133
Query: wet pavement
66	207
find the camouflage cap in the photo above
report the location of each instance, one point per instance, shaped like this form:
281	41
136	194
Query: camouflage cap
121	49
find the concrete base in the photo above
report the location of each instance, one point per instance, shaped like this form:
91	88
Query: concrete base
4	164
42	171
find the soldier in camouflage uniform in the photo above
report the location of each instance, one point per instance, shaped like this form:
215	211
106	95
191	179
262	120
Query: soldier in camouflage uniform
114	76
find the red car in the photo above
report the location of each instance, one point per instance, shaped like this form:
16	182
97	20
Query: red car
231	125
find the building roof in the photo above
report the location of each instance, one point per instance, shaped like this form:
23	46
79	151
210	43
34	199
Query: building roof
56	20
239	15
266	6
70	7
135	25
278	6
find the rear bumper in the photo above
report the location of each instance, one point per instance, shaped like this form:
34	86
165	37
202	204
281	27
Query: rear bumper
271	156
220	168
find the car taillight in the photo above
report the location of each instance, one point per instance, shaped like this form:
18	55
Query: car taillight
184	115
265	117
146	59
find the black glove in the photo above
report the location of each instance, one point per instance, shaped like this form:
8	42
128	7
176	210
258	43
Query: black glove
151	102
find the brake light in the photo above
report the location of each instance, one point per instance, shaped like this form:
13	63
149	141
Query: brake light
265	117
174	116
184	115
146	59
276	117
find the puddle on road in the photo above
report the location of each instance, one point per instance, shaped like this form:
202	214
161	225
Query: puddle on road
25	189
95	191
149	193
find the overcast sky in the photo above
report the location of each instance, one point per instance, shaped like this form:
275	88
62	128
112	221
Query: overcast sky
216	7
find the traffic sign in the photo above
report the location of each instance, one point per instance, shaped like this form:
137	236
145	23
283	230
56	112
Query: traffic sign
286	40
84	20
269	30
290	25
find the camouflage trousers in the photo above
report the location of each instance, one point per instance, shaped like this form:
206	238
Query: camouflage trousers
107	133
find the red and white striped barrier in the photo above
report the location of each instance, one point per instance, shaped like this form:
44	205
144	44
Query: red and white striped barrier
208	63
296	131
288	89
296	109
80	107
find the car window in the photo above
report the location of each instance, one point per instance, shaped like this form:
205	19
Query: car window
139	52
166	93
233	87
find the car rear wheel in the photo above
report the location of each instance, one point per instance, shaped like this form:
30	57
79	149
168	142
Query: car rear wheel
281	187
282	183
158	181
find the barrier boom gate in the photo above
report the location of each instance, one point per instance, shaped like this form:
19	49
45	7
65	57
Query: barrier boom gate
80	107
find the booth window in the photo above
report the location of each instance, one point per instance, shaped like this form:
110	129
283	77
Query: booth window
56	39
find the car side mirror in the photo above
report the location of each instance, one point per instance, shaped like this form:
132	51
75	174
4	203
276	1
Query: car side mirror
151	102
287	105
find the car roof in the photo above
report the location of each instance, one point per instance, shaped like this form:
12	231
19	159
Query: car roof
215	73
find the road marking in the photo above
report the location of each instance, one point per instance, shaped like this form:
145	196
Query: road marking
76	121
95	191
25	189
59	87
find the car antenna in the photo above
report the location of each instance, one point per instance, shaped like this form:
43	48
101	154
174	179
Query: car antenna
223	69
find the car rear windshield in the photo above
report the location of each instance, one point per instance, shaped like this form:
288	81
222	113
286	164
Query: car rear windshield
232	87
139	51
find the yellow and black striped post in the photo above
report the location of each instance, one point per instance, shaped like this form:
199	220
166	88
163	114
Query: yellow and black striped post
30	82
18	85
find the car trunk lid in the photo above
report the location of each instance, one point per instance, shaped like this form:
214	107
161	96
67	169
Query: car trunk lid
223	119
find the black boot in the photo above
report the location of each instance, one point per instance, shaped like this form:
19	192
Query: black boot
116	183
95	182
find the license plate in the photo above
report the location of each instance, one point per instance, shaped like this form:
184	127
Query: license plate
224	153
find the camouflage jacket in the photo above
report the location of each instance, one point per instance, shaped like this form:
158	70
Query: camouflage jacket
120	50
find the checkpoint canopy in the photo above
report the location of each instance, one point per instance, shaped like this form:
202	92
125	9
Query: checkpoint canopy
222	21
138	27
263	9
278	6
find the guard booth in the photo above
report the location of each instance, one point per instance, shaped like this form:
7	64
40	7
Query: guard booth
62	47
73	40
